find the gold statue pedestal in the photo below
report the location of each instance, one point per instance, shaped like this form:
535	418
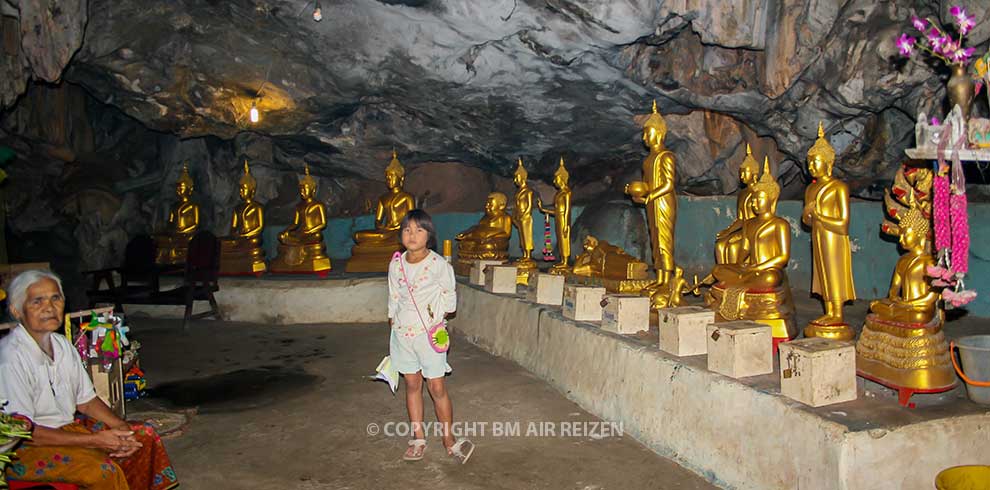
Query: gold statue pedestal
171	249
242	258
620	286
497	249
372	258
302	259
524	269
908	357
770	306
833	331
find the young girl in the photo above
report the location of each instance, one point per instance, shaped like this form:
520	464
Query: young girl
431	281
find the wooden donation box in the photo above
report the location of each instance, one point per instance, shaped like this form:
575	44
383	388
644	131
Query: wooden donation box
583	303
109	384
500	279
478	271
545	289
684	330
817	371
626	313
739	349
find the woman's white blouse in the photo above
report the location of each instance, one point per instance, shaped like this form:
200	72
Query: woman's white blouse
45	390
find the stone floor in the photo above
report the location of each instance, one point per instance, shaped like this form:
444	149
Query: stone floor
289	407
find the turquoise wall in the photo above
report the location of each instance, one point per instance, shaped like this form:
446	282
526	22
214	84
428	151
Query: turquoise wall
700	218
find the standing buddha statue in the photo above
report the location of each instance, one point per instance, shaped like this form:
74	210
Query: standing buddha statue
826	211
489	239
373	248
562	218
522	218
656	191
729	240
902	345
301	248
241	252
183	221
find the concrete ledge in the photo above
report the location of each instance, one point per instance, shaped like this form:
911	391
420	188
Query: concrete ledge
288	301
737	433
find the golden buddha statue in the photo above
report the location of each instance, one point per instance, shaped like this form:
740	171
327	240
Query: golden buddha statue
671	294
902	345
374	248
755	287
826	211
241	252
603	259
183	221
562	218
656	191
522	218
489	239
729	240
301	248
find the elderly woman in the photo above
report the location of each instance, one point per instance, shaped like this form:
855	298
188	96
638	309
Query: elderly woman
43	378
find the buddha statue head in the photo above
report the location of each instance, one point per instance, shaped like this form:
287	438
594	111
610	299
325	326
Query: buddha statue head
521	175
749	169
248	185
654	129
768	187
395	173
495	204
561	176
821	156
307	185
590	243
184	186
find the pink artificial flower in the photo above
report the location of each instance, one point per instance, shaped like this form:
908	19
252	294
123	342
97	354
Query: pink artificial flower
966	24
905	44
935	122
934	270
935	39
961	55
941	284
949	47
919	23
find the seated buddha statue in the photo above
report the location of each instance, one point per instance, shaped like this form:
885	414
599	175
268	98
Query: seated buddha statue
241	252
374	248
487	240
301	248
729	241
756	287
183	221
602	259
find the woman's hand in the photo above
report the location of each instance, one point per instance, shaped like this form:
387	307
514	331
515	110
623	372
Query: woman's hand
117	443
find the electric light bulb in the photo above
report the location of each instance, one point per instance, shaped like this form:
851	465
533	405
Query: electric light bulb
317	13
254	113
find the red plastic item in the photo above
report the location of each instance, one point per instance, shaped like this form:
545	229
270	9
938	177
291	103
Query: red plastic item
36	485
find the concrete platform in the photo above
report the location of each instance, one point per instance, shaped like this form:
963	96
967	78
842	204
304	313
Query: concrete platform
736	433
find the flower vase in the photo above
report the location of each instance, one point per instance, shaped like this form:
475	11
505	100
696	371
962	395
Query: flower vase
961	90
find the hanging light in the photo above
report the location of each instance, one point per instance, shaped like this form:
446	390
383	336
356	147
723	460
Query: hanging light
254	112
317	12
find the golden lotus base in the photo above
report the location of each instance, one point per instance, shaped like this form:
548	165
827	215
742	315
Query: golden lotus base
171	249
371	258
621	286
241	260
306	259
773	307
905	356
463	263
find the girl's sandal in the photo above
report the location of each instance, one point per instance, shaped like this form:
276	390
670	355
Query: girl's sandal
461	450
415	450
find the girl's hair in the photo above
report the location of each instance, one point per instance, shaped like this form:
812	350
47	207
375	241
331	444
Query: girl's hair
424	221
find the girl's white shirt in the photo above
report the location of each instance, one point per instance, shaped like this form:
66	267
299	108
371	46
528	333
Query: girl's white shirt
433	286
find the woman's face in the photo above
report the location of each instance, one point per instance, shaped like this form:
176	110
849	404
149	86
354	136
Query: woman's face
43	307
414	238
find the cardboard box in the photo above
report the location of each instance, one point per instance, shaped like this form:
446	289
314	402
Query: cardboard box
684	330
739	349
500	279
817	371
546	289
478	271
625	313
583	303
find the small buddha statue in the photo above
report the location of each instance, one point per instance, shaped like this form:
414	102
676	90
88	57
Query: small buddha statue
522	218
902	344
301	248
729	240
374	248
826	211
756	287
487	240
671	294
183	221
561	212
602	259
241	252
656	191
